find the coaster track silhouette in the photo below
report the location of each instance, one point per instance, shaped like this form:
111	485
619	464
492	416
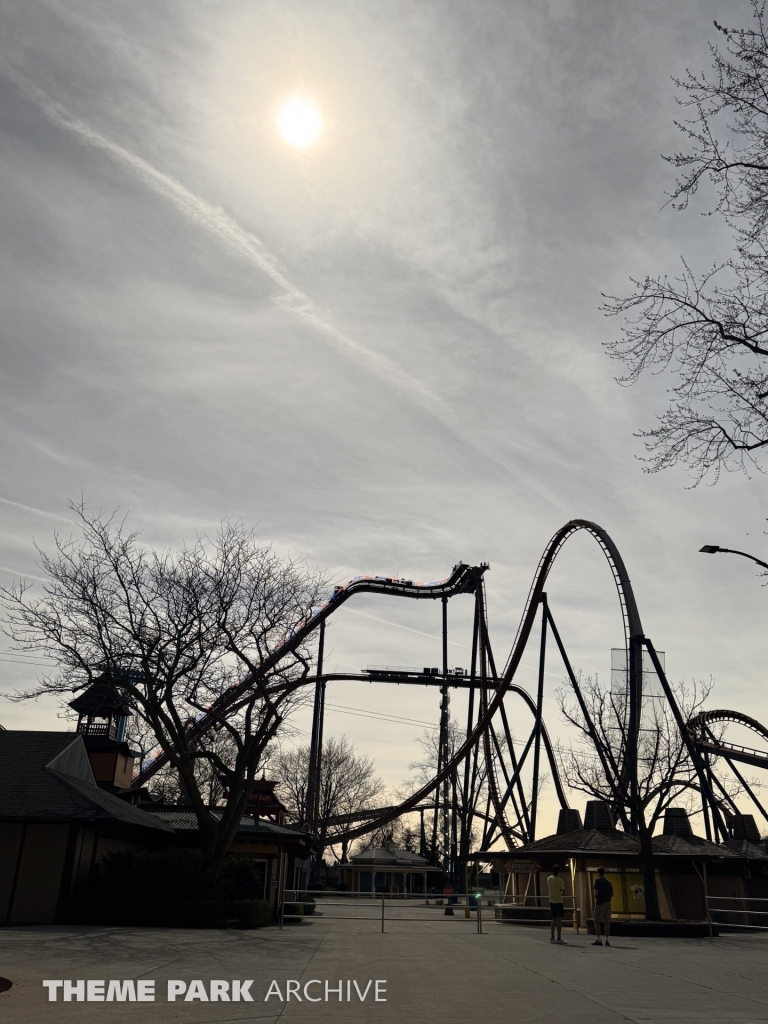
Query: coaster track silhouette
514	816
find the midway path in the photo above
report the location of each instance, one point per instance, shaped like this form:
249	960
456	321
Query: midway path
437	971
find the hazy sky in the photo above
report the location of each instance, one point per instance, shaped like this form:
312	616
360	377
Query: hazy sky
385	352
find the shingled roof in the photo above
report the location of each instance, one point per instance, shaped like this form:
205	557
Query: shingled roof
692	847
389	857
102	696
46	776
585	842
183	819
746	850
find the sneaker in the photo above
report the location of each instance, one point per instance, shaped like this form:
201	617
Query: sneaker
607	942
597	942
553	940
561	942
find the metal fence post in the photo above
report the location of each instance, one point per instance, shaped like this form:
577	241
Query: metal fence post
382	913
479	916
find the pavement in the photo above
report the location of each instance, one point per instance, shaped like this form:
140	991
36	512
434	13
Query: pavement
433	968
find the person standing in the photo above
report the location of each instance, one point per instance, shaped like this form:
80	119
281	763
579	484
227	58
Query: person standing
603	895
555	889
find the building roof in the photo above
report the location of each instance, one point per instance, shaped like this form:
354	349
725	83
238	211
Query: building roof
102	697
692	847
389	858
750	851
584	841
612	842
184	819
46	776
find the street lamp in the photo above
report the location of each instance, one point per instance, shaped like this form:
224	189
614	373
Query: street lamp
713	549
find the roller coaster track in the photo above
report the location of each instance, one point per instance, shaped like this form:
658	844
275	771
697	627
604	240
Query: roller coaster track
549	749
699	728
632	630
462	580
620	765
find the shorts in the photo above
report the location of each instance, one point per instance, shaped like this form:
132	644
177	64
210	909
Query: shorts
556	909
602	912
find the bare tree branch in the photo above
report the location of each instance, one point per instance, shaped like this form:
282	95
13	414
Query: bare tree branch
710	331
177	630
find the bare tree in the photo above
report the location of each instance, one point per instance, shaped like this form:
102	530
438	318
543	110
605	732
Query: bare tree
176	631
471	800
348	784
164	784
666	776
401	832
711	329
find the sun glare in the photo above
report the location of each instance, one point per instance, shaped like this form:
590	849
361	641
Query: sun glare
300	122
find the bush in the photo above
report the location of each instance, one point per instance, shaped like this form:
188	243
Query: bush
174	888
170	914
300	908
251	913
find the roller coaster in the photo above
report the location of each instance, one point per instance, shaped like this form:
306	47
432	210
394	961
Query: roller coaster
511	768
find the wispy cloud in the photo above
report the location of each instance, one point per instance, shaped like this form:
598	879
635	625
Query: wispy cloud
219	223
397	625
37	511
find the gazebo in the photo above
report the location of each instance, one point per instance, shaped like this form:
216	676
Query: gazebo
387	870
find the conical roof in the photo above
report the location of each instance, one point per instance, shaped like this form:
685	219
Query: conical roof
104	697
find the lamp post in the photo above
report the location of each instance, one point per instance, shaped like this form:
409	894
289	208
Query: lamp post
714	549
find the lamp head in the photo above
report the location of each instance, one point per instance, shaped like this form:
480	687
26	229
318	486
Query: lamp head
710	549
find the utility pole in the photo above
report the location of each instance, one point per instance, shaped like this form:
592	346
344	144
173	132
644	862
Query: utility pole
539	711
316	744
444	756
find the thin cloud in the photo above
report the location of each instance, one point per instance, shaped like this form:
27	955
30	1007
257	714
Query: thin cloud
17	573
37	511
219	223
408	629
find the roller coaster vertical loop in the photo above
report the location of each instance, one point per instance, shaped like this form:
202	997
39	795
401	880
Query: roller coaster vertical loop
633	631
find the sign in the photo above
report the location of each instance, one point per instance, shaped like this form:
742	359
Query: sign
448	890
522	866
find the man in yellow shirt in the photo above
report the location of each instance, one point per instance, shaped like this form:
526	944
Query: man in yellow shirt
556	888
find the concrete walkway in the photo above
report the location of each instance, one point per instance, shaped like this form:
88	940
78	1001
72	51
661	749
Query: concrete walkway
438	970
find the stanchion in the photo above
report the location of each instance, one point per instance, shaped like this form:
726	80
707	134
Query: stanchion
382	913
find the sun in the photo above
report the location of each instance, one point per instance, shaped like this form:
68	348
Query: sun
300	122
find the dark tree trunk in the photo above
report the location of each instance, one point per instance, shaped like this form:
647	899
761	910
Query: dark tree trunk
647	866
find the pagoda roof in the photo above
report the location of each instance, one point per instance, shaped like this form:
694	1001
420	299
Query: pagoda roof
184	819
103	697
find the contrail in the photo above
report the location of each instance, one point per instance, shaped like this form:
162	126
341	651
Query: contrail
219	223
37	511
215	220
397	625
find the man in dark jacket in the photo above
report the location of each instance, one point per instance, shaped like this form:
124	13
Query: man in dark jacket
603	895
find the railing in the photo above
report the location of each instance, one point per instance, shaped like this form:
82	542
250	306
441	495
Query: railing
539	902
446	902
521	900
718	914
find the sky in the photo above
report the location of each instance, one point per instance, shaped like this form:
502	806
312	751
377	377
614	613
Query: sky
384	352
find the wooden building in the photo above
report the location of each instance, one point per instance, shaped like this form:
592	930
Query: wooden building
65	804
688	867
277	850
56	822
